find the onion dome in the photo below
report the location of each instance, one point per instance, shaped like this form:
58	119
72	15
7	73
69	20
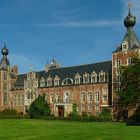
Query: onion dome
130	20
4	51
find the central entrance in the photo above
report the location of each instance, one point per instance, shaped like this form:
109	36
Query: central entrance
60	111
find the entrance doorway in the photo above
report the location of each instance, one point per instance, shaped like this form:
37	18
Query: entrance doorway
60	111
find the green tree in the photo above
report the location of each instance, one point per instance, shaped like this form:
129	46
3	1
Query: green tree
130	84
129	95
39	108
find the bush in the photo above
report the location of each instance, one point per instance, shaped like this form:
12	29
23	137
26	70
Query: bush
39	108
11	114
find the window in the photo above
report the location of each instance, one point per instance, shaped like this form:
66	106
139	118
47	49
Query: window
42	82
46	96
89	97
57	98
67	98
5	97
125	46
118	88
118	72
129	61
51	98
86	78
96	97
5	87
105	98
56	81
5	77
93	77
77	78
49	82
102	76
118	79
83	96
89	107
117	63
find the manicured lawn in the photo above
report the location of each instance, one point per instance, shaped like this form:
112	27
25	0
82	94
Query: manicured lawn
62	130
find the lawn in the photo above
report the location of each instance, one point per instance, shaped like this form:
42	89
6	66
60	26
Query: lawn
63	130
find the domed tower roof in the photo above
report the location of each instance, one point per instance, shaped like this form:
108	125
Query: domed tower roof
130	20
4	64
130	39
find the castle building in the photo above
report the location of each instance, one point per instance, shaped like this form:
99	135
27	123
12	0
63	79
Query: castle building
92	87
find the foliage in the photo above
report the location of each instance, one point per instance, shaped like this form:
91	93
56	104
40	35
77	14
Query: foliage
130	84
11	114
105	112
39	108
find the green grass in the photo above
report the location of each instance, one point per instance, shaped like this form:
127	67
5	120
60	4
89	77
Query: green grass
63	130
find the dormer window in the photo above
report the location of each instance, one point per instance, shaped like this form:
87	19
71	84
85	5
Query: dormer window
56	81
77	78
102	76
42	82
49	81
93	77
67	81
125	46
86	78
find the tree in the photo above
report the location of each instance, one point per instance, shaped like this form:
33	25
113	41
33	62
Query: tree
130	84
129	95
39	108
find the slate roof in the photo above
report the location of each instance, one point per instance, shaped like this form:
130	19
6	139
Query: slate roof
68	72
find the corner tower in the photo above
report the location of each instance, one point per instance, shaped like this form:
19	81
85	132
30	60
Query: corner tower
122	56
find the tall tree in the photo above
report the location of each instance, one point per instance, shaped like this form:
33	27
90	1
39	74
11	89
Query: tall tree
130	84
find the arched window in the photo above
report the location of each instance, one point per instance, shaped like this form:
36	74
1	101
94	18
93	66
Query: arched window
67	81
89	96
56	81
86	78
93	77
77	78
83	96
96	96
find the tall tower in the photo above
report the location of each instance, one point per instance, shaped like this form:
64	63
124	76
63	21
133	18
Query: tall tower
7	79
122	56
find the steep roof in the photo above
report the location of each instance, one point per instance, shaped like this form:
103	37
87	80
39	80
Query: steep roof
68	72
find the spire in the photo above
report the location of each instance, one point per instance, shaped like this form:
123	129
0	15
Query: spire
4	64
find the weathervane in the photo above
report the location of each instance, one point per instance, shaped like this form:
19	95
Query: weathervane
129	5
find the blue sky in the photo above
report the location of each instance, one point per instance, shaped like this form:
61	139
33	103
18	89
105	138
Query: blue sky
74	32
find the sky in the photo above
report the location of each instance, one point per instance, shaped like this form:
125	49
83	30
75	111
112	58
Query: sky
74	32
